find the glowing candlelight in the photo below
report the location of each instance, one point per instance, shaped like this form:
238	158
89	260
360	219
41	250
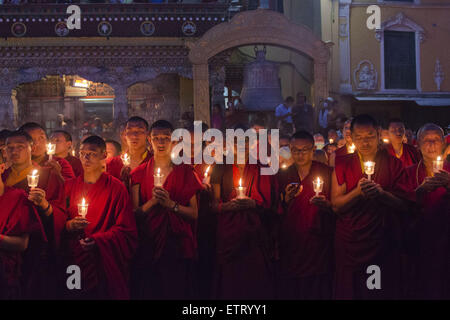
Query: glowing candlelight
318	186
438	164
51	149
241	190
284	166
205	176
369	168
352	148
83	208
386	140
125	159
73	153
157	178
33	179
331	140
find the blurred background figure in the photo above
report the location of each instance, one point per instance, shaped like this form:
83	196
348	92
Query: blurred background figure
319	141
303	114
217	119
320	156
332	136
113	149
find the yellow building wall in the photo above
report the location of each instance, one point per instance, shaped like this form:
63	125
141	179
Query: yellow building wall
186	94
433	19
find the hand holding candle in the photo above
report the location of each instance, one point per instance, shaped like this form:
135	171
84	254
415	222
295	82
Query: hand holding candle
51	149
438	164
241	190
369	169
83	208
125	159
158	178
318	186
205	176
352	148
33	179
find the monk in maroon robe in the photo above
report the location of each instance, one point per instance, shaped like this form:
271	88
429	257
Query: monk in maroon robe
103	242
369	214
245	249
63	141
18	219
136	136
39	154
431	247
348	140
307	226
165	215
47	197
407	153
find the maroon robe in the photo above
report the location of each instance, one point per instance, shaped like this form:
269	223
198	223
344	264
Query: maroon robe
17	217
368	233
245	251
105	270
431	244
409	156
167	241
40	261
115	165
306	239
76	165
342	151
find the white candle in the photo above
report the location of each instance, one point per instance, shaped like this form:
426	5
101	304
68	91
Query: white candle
369	168
205	176
157	178
352	148
33	179
438	164
51	149
240	190
318	186
125	159
83	208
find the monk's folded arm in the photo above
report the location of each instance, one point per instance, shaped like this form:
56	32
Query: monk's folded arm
191	211
15	243
340	200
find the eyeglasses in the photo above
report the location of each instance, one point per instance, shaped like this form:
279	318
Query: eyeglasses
302	151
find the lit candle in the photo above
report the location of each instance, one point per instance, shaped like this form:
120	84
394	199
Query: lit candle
33	179
284	166
205	176
352	148
73	153
172	156
125	159
157	178
318	186
83	208
386	140
51	149
331	140
438	164
240	190
369	168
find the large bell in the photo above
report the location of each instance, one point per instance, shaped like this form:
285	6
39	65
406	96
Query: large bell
261	91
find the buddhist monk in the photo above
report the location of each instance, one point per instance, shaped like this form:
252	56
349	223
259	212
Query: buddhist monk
307	226
165	203
48	197
432	194
368	214
348	140
136	136
244	248
103	242
407	153
39	155
18	219
63	141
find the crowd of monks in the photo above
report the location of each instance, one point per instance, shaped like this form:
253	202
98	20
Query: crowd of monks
141	227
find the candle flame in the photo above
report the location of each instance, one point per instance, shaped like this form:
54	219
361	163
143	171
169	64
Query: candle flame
83	202
386	140
439	158
240	182
34	173
159	171
331	140
318	180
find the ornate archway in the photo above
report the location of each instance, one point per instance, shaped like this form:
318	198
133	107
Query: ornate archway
259	26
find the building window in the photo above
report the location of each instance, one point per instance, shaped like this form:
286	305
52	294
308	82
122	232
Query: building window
400	60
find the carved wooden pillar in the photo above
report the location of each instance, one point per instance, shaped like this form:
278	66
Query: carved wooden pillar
201	92
120	102
7	119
